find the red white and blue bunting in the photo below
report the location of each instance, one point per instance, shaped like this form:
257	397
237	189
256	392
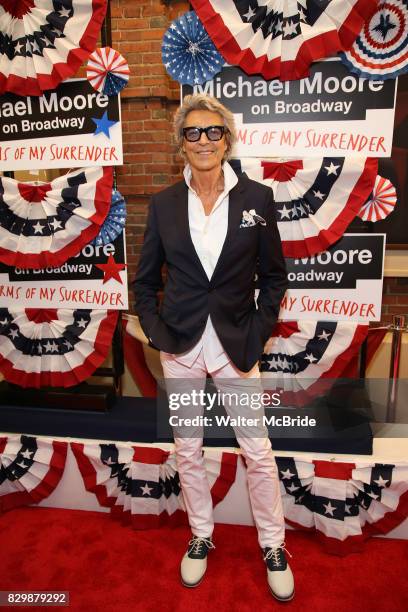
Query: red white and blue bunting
381	50
302	358
344	502
281	39
43	42
381	202
141	483
30	469
316	198
58	348
44	224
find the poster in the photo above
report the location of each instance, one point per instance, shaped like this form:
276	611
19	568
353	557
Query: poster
68	127
332	112
343	283
96	278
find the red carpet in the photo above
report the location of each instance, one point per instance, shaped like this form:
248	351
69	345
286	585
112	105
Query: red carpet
109	567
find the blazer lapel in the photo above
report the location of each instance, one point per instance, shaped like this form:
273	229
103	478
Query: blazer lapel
181	204
235	208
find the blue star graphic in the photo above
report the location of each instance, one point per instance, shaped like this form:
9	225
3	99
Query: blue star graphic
385	25
103	124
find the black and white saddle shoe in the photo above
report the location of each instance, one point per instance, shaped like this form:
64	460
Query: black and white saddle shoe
194	562
279	574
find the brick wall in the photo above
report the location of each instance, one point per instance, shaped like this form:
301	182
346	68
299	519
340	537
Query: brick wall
148	105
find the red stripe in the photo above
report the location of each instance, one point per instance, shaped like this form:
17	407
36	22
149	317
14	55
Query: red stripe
88	473
136	362
360	193
333	469
62	70
103	196
225	478
72	377
150	455
376	65
317	48
3	444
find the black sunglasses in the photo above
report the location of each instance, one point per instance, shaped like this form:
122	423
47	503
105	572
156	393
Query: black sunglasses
213	133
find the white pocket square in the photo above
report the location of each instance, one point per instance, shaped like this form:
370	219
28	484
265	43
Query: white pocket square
250	218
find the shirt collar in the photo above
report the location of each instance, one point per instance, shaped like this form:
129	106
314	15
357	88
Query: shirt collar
230	178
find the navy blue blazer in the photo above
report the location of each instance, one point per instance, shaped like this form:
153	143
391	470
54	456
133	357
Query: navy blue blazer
178	322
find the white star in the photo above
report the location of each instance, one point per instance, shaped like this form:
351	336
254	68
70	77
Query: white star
329	509
318	194
81	323
146	489
301	209
373	495
13	333
251	13
18	47
54	347
34	46
294	212
278	26
39	349
293	488
381	482
38	228
27	454
302	16
285	364
22	465
173	26
64	12
311	358
272	363
289	28
68	344
287	474
48	346
55	224
284	213
332	169
324	336
4	322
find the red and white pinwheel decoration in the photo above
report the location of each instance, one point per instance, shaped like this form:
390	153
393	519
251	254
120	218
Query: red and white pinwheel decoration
44	224
316	198
381	202
107	71
277	38
44	42
49	347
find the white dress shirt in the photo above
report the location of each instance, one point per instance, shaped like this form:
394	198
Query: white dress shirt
208	235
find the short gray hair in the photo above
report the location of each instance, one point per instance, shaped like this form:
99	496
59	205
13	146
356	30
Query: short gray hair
204	102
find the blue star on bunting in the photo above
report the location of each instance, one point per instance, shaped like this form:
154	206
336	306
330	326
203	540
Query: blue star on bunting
103	124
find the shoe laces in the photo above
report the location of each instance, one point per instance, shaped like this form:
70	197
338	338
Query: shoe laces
274	554
196	543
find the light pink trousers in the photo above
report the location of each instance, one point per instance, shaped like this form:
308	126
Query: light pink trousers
262	473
